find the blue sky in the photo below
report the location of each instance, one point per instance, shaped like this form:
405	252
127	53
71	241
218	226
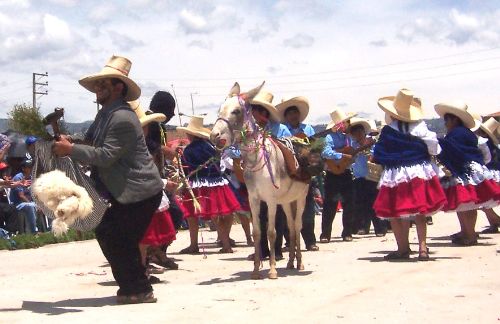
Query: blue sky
346	53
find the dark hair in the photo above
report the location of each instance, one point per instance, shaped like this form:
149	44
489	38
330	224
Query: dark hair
355	128
115	81
448	116
403	127
261	109
163	103
291	109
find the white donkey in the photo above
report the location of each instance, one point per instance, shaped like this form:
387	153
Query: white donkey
265	176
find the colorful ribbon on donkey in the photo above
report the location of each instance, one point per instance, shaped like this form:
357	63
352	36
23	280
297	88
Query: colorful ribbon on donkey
249	120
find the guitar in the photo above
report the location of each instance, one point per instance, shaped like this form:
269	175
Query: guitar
338	167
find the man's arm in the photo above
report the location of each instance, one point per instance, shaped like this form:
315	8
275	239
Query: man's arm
328	150
120	137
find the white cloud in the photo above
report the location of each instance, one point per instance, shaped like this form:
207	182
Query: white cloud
15	4
104	12
193	23
456	28
124	42
311	9
200	43
300	40
379	43
65	3
211	19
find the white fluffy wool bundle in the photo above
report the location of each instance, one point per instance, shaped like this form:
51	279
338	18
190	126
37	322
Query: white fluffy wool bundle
66	199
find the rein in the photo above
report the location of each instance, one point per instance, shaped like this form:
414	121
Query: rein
260	148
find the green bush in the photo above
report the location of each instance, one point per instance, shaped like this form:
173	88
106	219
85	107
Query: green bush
29	241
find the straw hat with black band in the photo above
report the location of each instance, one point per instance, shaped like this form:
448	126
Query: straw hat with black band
143	117
338	116
403	106
117	67
195	128
477	120
265	100
490	127
458	109
301	103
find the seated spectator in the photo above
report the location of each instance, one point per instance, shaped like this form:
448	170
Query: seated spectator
20	196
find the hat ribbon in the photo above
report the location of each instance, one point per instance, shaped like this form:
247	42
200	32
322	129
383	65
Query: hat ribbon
118	69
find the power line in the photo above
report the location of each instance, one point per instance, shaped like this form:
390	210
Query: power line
330	71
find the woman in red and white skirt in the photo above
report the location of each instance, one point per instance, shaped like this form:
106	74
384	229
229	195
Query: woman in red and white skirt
409	187
210	189
471	185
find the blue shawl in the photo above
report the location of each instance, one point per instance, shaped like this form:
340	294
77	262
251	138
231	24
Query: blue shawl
395	149
458	149
197	153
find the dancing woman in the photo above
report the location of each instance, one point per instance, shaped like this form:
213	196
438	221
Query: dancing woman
471	185
409	185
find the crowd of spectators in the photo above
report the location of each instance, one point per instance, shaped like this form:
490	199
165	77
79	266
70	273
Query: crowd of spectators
18	212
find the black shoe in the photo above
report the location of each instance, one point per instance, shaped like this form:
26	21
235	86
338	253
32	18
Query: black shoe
279	257
154	280
347	238
381	234
312	247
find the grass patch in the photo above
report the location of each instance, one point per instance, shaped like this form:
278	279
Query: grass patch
29	241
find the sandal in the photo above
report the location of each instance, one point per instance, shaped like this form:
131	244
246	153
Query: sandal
396	255
324	239
154	280
224	251
493	229
424	256
154	270
190	250
136	299
464	242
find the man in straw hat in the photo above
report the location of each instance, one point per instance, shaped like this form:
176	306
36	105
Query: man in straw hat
268	118
365	191
293	112
337	184
125	174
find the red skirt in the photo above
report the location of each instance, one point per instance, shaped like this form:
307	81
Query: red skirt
214	201
469	197
417	197
160	231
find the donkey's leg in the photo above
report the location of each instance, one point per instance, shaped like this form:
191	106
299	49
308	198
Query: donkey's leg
271	236
299	211
287	208
255	209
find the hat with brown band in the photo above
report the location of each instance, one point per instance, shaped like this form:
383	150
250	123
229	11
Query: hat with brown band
117	67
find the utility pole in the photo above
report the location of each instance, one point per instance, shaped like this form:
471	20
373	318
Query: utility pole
192	104
177	105
36	83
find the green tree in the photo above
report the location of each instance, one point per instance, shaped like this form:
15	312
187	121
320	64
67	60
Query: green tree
27	120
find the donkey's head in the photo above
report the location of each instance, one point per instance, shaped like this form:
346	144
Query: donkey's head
231	116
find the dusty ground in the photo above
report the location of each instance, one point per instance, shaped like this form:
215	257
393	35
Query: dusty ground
343	282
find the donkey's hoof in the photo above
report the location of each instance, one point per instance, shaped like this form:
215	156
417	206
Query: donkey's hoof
256	276
273	275
290	265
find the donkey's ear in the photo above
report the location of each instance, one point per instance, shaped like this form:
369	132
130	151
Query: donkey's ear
235	90
252	93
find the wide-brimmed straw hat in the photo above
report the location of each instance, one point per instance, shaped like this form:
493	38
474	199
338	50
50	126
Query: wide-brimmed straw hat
301	103
117	67
195	127
490	127
402	107
338	116
360	121
477	120
143	117
459	109
265	100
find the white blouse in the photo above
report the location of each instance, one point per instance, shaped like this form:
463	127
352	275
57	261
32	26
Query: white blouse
419	129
